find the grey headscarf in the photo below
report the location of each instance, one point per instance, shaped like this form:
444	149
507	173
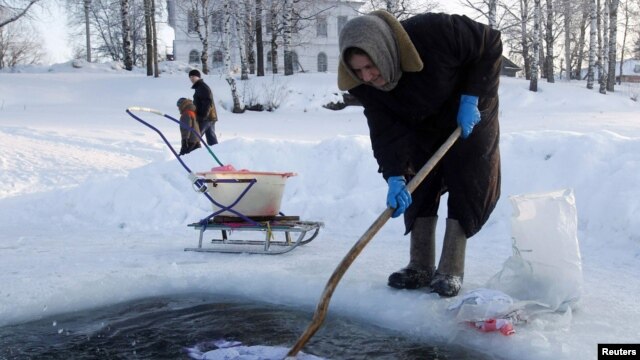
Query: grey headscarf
374	36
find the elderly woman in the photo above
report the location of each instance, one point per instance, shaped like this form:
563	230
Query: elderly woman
418	80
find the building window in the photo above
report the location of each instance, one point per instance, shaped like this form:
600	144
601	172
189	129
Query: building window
217	22
269	58
268	23
341	21
322	62
192	21
321	26
194	57
636	69
218	59
294	61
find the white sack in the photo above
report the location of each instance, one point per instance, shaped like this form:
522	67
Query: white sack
545	267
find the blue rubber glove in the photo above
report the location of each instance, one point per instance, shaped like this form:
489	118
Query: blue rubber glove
468	114
398	197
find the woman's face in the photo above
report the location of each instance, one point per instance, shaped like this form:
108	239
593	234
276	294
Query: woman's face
366	70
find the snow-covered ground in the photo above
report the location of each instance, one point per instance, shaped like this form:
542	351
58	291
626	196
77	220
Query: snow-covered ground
94	208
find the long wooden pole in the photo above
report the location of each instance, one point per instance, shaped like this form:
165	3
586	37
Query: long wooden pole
323	304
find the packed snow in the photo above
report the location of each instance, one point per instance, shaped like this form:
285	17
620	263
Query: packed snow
94	208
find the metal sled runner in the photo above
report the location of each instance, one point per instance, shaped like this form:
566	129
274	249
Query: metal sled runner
283	226
243	202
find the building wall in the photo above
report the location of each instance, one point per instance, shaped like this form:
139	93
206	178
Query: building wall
306	44
630	71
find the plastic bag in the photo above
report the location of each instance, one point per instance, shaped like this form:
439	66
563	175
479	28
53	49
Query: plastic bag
545	268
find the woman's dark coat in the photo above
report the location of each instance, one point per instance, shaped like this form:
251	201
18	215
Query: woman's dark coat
408	123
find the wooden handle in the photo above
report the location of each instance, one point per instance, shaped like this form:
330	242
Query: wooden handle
323	304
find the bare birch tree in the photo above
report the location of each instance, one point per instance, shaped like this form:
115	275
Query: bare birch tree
249	40
524	19
286	36
237	106
599	48
200	12
592	44
613	40
567	38
579	49
533	83
487	8
542	61
604	50
518	15
126	35
149	36
259	43
273	25
87	7
627	16
154	34
240	31
19	44
12	10
550	42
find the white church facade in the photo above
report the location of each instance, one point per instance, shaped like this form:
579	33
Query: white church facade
314	42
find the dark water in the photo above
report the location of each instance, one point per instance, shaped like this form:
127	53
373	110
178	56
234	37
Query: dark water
164	328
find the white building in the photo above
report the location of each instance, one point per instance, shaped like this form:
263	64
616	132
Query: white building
314	41
630	71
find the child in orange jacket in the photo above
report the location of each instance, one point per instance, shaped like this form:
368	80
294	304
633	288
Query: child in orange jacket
190	140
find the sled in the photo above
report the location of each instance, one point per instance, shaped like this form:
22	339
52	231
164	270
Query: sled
243	202
274	235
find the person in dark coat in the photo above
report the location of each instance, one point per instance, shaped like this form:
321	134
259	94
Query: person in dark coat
205	108
418	80
190	140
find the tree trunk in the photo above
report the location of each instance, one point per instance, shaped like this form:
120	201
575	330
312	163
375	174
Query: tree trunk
567	39
149	36
624	38
492	13
592	45
248	37
203	30
259	44
87	31
286	37
533	83
154	33
542	61
604	66
613	35
524	12
126	35
599	51
580	48
237	107
240	32
274	39
549	41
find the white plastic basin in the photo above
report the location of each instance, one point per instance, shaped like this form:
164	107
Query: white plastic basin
262	199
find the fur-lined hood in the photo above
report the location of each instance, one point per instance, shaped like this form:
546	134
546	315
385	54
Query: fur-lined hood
186	105
409	58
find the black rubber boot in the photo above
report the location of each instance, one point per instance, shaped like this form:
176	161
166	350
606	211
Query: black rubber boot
422	259
448	278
